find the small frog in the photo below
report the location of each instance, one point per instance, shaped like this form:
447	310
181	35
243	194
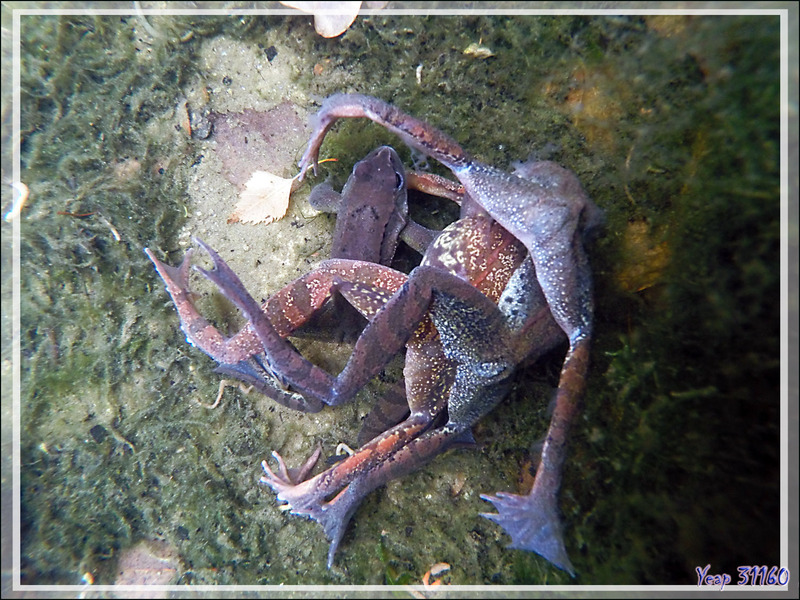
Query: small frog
371	212
372	209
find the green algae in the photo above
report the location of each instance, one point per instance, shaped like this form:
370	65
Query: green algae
675	456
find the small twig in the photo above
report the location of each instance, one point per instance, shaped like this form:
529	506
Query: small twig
222	385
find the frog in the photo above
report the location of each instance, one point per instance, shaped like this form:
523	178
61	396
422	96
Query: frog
551	214
372	213
495	256
480	342
371	210
455	375
466	317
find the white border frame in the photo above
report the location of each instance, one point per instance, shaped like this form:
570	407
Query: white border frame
478	591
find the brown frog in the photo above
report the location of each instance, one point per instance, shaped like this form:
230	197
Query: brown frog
463	342
549	212
372	209
372	213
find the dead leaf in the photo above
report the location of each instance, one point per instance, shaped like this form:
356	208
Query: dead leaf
645	257
265	199
331	19
150	562
478	51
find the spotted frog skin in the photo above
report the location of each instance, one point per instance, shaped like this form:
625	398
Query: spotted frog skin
548	212
521	237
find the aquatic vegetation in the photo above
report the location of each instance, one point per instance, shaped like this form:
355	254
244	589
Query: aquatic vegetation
682	422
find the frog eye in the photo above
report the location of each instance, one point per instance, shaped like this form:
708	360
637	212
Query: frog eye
398	181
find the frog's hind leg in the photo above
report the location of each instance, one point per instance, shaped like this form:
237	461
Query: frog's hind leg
532	521
332	497
335	515
199	332
240	355
291	307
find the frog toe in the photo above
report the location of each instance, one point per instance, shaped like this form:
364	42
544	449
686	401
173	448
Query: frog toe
288	476
533	523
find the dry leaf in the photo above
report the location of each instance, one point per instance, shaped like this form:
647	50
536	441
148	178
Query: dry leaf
265	199
478	51
150	562
330	18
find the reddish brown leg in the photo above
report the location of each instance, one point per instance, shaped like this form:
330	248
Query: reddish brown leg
397	452
264	357
466	370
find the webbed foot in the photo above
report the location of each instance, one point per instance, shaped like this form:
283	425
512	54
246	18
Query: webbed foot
305	498
199	332
533	523
242	355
